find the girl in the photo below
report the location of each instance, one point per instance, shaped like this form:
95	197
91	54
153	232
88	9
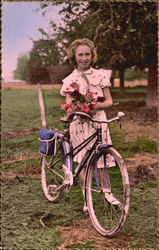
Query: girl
82	54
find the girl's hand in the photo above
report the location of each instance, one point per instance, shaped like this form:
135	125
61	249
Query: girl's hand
97	106
107	100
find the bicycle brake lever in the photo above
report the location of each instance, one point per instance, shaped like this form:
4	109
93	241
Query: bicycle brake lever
120	115
119	122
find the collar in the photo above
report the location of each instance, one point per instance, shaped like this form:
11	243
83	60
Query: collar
87	72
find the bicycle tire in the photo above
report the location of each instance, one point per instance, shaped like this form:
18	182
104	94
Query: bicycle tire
106	218
53	175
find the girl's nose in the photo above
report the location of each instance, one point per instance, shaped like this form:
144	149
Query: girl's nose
84	57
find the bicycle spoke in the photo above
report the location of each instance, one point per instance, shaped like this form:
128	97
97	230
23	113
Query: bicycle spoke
53	171
95	190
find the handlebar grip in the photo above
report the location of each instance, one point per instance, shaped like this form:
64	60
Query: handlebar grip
120	114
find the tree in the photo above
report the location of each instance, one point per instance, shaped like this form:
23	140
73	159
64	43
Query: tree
151	101
44	53
22	69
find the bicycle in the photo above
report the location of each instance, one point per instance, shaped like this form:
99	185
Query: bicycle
58	175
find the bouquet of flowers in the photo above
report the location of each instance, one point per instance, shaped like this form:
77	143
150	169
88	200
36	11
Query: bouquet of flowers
80	102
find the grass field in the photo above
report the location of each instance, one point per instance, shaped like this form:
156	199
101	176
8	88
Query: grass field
28	219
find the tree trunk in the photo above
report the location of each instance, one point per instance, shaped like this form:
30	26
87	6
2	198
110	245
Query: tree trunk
112	77
121	77
151	100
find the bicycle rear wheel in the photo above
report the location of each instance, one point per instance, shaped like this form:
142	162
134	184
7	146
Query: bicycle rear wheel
108	219
53	171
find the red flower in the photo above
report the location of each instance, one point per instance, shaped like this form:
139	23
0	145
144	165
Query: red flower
74	85
85	108
64	106
72	108
89	96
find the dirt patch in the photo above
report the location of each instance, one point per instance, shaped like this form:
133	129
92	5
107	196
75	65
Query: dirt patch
31	171
10	175
142	166
135	112
141	159
20	157
83	232
14	134
133	130
9	86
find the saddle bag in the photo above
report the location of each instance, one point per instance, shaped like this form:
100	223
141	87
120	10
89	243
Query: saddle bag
47	140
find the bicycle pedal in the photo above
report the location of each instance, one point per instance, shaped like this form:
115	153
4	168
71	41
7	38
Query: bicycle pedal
52	189
66	190
85	209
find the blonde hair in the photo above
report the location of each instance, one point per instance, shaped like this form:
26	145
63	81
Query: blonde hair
71	51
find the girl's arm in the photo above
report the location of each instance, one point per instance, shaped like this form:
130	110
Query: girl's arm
108	100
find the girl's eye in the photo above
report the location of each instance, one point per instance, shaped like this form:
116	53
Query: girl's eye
87	54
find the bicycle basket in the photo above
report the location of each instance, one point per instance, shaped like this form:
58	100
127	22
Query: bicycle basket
47	143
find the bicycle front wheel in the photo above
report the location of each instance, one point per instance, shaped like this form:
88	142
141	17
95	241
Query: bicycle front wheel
107	192
53	171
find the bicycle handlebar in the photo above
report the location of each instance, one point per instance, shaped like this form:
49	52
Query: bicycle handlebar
82	114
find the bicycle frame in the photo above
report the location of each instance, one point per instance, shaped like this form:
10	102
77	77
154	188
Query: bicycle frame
98	134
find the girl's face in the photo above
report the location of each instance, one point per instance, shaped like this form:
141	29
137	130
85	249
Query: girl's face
83	57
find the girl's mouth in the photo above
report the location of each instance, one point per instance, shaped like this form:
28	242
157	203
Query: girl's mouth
84	63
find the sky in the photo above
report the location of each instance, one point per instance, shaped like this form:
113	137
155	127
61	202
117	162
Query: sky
20	24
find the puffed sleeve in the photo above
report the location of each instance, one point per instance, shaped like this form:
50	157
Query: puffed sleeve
66	85
105	78
64	88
